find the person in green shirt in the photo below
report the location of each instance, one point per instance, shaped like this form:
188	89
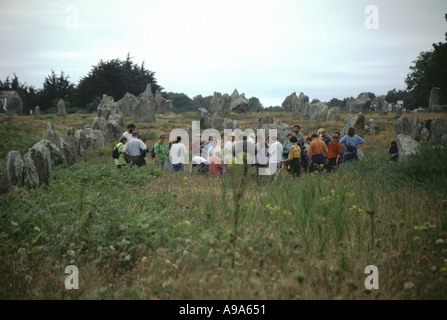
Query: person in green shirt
121	161
160	151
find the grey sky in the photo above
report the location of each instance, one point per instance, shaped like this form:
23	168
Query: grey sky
265	48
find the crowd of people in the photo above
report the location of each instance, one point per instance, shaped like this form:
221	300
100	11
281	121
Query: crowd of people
296	156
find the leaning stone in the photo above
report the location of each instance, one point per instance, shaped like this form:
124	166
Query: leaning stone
402	126
406	145
14	165
359	105
437	129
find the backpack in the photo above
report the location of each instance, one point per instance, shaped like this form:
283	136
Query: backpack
152	152
115	153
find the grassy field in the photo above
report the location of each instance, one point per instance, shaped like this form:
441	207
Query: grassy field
141	233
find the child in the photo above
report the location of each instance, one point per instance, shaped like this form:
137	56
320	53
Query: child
294	158
305	160
334	149
393	151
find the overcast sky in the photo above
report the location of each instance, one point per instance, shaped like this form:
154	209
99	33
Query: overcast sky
265	48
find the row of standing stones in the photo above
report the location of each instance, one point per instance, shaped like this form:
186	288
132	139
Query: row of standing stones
37	165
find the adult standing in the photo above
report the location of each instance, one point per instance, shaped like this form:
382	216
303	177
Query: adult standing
128	132
133	150
285	152
299	136
275	152
178	153
121	161
301	143
351	143
318	153
324	136
160	151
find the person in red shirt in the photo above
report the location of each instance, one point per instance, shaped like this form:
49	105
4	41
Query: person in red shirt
334	152
216	165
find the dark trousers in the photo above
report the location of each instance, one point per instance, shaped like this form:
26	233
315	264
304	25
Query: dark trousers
137	160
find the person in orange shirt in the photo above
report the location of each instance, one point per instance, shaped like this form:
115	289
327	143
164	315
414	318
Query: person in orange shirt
334	152
318	153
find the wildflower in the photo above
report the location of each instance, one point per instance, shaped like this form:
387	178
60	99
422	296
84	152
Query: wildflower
440	241
416	228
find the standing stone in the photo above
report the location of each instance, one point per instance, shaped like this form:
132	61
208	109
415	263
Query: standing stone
37	112
291	103
444	138
425	134
14	104
80	142
145	108
216	103
358	122
115	127
359	105
30	174
303	103
204	118
52	135
406	145
333	114
226	103
346	126
69	147
415	126
319	111
372	127
398	111
434	98
228	124
14	167
282	130
267	119
437	129
402	126
94	139
239	105
216	121
45	156
235	124
61	108
162	103
382	106
126	103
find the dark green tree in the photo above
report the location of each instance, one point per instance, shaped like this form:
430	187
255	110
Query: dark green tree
428	71
254	104
182	103
114	78
56	87
406	96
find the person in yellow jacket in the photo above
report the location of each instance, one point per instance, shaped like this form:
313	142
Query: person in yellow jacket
294	158
121	160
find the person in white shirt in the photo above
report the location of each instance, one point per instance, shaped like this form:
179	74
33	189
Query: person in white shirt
128	132
275	152
228	149
134	149
178	153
